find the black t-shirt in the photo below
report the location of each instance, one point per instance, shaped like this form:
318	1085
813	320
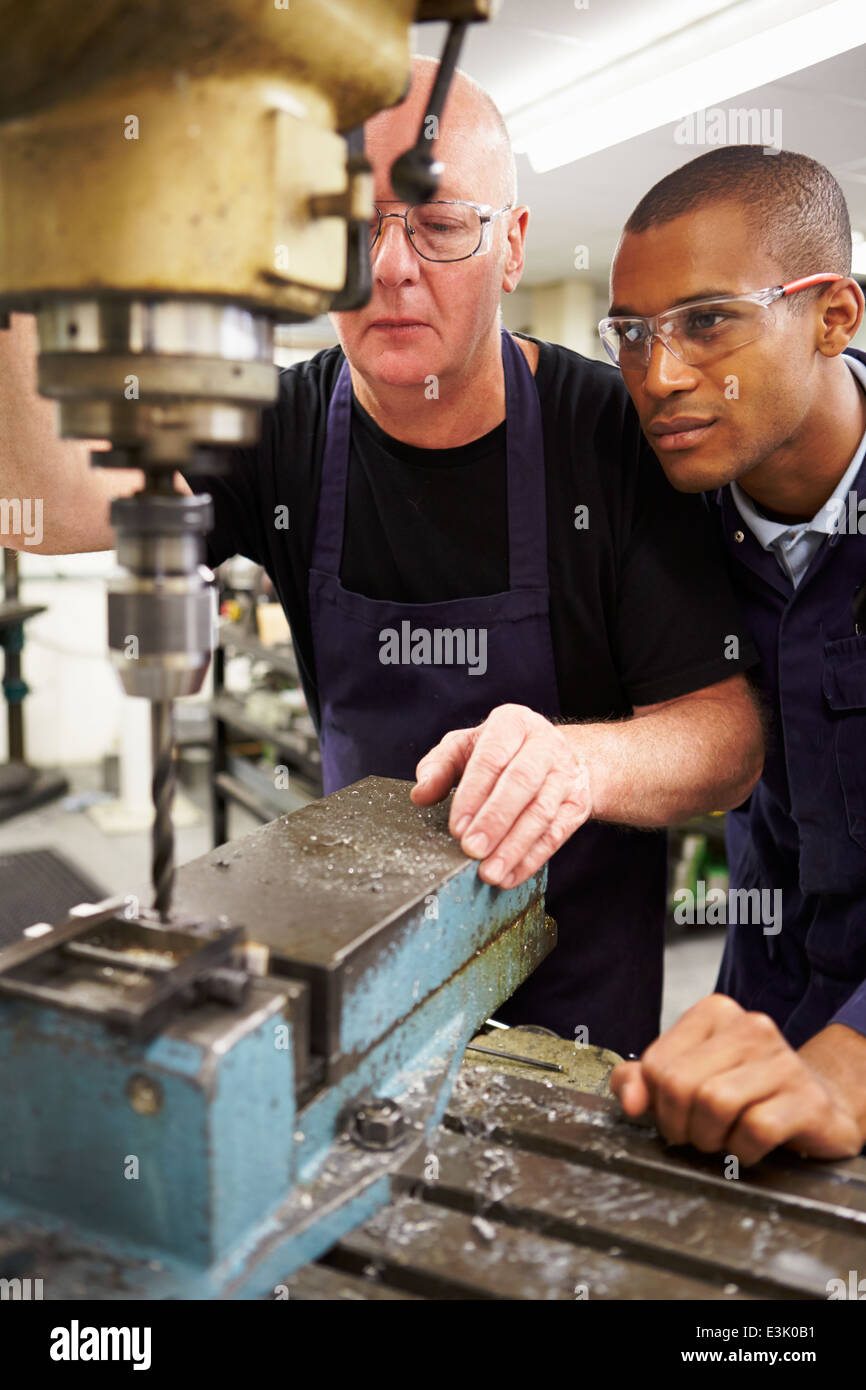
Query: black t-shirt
640	606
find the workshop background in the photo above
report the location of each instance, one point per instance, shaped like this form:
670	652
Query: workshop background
577	83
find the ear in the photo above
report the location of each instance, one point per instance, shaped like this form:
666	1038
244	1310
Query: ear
841	316
518	221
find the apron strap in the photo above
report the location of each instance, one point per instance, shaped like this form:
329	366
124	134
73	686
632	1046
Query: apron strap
331	513
527	500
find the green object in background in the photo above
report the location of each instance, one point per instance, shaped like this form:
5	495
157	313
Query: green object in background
700	866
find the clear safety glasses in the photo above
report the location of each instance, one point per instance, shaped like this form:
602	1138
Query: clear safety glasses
699	331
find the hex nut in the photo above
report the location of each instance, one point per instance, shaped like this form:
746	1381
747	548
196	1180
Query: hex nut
378	1123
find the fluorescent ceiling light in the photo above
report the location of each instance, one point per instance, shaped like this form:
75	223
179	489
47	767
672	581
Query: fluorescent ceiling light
701	66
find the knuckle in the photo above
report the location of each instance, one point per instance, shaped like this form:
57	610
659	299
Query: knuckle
676	1091
509	712
721	1006
546	844
524	778
796	1073
575	811
491	755
533	828
549	800
763	1027
712	1096
761	1132
495	826
557	832
669	1083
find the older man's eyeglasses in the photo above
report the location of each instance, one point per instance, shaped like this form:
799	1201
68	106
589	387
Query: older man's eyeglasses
697	332
444	230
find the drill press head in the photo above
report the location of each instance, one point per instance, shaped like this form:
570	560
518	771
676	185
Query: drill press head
169	192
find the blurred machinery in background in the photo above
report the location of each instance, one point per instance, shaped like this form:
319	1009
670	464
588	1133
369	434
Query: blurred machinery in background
22	787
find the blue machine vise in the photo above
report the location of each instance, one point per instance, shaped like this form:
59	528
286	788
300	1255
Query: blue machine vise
189	1112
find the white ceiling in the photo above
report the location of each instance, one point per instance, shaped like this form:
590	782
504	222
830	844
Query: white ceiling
532	49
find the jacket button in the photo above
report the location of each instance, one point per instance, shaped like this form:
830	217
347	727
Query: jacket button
739	537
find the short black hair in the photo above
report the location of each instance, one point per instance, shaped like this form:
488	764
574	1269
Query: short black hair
794	204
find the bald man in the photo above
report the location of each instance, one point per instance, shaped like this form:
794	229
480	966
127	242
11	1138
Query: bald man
483	561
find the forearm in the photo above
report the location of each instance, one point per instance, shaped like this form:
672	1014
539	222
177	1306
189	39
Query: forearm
54	500
838	1054
701	753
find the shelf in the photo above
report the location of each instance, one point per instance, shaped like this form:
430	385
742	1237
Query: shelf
234	791
12	612
280	658
243	795
294	744
232	712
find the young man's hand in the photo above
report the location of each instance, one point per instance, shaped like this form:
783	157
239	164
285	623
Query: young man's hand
725	1079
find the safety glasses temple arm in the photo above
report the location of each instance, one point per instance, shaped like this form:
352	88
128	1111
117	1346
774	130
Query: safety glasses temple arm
808	281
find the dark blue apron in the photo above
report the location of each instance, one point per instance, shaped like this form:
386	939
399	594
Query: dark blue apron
605	974
803	830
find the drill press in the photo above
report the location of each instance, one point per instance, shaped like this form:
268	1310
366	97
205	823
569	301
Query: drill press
173	186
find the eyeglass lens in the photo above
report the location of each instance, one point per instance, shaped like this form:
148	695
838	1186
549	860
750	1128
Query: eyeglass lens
695	333
439	231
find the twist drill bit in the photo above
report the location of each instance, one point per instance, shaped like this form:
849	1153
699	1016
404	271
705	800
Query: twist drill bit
163	800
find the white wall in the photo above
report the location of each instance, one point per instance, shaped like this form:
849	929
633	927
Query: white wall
72	714
565	312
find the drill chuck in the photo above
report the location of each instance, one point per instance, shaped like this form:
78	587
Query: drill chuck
161	611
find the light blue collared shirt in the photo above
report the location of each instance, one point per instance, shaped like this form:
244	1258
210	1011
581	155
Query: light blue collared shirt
795	544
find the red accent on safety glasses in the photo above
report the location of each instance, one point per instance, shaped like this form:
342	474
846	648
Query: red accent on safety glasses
807	281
